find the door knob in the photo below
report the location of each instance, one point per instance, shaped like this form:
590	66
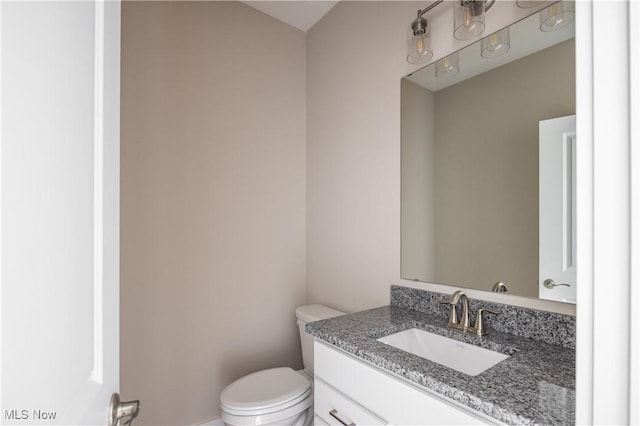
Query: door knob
122	413
551	284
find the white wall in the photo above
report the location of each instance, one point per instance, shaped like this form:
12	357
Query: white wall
355	60
213	207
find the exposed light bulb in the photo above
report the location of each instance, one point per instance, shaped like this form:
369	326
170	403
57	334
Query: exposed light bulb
556	16
421	52
447	66
496	44
468	19
420	43
467	15
419	48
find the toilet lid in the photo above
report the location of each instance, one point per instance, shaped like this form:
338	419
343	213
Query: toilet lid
265	389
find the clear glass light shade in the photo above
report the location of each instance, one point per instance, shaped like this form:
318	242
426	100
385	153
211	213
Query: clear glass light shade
496	44
468	20
447	66
420	49
557	16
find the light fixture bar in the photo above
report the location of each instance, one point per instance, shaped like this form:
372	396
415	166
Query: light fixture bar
428	8
420	44
487	6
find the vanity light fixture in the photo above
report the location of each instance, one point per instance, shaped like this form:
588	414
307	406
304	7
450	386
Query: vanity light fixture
448	66
468	18
420	50
468	22
496	44
557	16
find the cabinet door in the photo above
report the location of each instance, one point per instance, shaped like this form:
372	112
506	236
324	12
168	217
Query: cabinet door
337	409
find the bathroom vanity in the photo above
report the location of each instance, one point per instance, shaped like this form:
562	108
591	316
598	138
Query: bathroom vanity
360	380
381	398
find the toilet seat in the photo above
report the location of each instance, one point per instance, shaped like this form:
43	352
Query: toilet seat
266	392
300	411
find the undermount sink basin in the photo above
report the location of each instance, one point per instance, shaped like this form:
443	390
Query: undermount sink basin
466	358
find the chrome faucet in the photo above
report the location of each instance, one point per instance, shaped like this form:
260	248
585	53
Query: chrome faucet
499	287
464	322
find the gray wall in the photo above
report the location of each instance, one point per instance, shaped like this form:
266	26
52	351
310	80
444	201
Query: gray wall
353	153
418	152
213	202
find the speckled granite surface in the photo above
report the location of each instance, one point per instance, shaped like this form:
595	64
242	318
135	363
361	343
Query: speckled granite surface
535	385
548	327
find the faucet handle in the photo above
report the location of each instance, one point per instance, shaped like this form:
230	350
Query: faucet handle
453	301
479	328
453	315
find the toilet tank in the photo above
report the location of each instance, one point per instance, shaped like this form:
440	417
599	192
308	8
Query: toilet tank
310	313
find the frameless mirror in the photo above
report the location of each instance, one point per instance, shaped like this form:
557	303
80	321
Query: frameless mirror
484	204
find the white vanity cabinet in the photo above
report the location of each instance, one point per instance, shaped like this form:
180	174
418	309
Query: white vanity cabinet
358	393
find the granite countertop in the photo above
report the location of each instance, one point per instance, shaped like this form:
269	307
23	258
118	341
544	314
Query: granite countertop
535	385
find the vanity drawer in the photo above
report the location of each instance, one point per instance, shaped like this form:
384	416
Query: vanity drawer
390	397
327	400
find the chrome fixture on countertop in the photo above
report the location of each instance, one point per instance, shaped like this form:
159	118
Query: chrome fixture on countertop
499	287
463	323
454	322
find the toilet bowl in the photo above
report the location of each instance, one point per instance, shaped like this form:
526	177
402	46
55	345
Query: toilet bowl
277	396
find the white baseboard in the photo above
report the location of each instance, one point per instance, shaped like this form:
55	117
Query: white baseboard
213	422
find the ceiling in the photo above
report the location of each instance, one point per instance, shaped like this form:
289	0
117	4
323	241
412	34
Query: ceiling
302	14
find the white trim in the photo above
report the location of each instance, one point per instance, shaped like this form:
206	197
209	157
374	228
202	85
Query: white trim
611	213
634	58
1	141
584	206
111	160
97	374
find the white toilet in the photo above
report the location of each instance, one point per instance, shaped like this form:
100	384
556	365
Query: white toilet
277	396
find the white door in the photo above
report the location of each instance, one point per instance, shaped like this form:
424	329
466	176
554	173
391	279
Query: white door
557	242
59	227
